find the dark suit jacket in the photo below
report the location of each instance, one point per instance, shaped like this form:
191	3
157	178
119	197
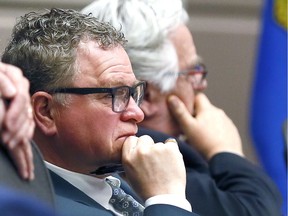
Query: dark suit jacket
228	185
41	187
70	201
15	202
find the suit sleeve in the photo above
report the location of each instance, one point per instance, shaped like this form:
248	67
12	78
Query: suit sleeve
233	186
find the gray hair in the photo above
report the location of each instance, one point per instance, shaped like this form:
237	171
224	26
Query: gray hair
44	45
146	25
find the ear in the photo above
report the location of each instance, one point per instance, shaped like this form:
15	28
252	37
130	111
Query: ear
42	106
150	103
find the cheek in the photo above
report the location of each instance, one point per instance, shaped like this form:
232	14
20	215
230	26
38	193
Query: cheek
92	136
99	128
103	133
185	92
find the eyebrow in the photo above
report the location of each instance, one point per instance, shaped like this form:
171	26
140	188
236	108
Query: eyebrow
117	83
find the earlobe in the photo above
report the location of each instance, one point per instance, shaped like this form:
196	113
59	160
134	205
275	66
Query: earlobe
42	103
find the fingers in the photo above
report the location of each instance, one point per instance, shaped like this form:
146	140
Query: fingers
25	131
170	140
15	76
29	159
7	87
210	131
22	156
154	169
187	123
180	112
201	102
133	142
17	122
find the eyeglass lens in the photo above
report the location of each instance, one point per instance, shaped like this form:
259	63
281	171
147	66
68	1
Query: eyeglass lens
197	75
122	96
121	99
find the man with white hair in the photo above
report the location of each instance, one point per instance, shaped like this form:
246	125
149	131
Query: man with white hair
85	100
220	180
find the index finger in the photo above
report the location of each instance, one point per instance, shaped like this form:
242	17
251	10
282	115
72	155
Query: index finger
180	112
201	102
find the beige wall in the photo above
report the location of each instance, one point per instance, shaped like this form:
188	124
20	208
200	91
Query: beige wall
225	33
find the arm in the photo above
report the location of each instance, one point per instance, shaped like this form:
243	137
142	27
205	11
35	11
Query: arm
17	120
234	186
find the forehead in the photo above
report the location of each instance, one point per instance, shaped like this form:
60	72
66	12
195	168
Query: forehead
103	67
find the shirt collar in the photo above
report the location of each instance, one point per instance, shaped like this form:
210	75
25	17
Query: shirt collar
96	188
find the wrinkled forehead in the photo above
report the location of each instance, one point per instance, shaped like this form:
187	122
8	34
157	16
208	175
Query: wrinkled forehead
101	67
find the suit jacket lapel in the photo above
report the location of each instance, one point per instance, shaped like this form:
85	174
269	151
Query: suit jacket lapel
65	189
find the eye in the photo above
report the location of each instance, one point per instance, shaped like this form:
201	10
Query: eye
108	95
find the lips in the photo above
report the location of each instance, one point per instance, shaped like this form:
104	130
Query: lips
128	134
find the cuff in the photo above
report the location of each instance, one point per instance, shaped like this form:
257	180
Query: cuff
170	199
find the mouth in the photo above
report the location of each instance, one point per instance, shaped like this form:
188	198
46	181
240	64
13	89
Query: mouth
128	134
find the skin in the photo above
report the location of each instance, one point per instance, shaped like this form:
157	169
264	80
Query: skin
17	126
207	128
87	134
211	131
148	169
157	113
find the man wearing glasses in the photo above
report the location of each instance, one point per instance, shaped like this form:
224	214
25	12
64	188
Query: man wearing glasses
220	181
85	101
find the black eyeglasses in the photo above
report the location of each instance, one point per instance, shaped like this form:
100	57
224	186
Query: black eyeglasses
120	95
196	75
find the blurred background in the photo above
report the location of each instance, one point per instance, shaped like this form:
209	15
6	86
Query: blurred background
226	34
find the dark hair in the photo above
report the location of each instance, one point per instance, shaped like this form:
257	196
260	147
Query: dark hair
44	45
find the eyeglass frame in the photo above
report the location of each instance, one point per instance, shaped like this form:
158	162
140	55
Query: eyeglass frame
96	90
195	71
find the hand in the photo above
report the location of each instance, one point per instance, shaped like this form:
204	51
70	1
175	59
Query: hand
17	123
153	169
210	131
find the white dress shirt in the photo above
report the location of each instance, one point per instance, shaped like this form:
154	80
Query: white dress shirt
100	191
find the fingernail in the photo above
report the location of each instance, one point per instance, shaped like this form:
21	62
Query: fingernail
170	140
25	175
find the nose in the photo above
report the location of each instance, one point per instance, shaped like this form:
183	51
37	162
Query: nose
133	112
201	87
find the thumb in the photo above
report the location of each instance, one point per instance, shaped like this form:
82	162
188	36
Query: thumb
180	112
